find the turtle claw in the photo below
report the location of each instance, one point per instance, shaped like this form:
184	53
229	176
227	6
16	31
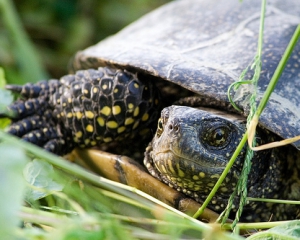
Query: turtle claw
14	88
59	146
32	117
25	125
22	109
36	130
34	90
41	136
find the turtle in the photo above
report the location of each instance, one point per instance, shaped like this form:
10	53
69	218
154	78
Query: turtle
166	76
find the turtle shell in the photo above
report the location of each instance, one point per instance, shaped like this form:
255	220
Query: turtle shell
204	46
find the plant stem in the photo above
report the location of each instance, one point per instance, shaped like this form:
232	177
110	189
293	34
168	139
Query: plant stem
278	71
42	217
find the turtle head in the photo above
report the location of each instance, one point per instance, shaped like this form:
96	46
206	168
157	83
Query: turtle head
192	147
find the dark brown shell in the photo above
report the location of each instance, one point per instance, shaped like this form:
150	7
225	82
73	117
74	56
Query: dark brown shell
205	45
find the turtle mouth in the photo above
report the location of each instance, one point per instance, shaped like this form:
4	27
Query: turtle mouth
185	174
188	176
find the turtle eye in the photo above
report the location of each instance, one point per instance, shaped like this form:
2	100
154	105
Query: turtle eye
217	137
160	127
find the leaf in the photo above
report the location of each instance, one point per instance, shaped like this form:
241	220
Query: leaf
39	175
12	188
6	97
288	231
2	78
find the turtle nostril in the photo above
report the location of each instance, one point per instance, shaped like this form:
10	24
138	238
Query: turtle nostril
175	127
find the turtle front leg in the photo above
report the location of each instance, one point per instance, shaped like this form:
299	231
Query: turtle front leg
85	109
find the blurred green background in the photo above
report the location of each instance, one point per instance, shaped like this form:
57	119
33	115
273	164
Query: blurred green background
57	29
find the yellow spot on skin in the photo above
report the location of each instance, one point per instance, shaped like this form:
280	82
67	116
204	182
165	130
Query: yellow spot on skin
76	86
145	117
136	111
93	143
116	110
85	91
135	125
78	115
202	174
62	114
129	121
69	115
78	134
215	176
64	104
86	141
121	129
106	111
101	121
104	87
89	114
195	177
95	90
89	128
180	172
156	101
130	106
112	124
116	90
108	139
69	100
136	85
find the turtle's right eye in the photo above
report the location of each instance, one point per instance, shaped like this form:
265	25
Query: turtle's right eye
217	133
218	137
160	127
